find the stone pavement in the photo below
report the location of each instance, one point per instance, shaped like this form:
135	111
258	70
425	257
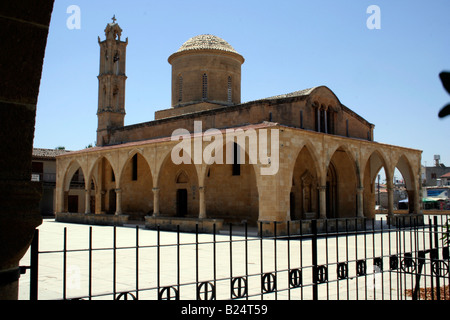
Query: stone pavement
275	258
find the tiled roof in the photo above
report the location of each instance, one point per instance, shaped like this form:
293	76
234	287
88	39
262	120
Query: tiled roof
299	93
47	153
206	41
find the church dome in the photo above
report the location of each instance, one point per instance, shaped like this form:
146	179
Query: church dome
206	70
206	42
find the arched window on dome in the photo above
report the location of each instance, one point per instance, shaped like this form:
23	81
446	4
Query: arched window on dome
229	90
205	86
180	88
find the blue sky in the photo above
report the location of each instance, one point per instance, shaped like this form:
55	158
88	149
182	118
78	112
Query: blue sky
389	76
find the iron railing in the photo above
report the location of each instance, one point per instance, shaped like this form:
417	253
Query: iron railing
377	261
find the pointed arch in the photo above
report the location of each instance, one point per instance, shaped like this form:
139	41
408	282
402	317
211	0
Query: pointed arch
342	183
372	189
404	166
135	181
231	189
305	181
74	188
408	185
71	173
172	202
103	173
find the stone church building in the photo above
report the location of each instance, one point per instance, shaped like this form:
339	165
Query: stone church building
294	157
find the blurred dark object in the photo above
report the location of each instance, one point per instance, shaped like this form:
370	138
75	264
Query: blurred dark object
445	79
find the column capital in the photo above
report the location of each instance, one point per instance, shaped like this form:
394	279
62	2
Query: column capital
322	188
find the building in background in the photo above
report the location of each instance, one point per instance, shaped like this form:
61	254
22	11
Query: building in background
431	176
43	170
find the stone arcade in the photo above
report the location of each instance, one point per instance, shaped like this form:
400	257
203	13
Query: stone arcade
328	159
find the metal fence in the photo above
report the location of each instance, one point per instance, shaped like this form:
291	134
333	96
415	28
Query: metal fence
378	261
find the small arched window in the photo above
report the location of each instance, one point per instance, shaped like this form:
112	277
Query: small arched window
182	177
229	90
205	86
116	97
180	88
236	167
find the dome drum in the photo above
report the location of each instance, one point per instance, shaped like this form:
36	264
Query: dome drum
206	69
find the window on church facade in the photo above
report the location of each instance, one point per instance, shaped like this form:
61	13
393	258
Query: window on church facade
134	175
205	86
324	119
236	157
180	88
229	90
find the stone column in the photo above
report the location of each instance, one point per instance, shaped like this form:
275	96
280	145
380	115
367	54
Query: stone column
417	209
360	199
118	202
155	202
325	120
87	200
202	205
59	201
323	202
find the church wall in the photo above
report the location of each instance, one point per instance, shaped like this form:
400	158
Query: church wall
232	198
291	113
356	128
186	109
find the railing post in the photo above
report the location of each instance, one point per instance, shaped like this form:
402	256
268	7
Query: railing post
314	259
436	258
34	265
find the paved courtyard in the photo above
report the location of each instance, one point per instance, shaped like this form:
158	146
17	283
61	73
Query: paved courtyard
179	265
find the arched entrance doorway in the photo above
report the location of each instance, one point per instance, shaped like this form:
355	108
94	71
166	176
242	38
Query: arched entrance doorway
403	185
341	186
77	198
105	188
304	197
178	189
375	185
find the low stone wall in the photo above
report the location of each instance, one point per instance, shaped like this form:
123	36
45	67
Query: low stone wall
304	227
185	224
95	219
405	220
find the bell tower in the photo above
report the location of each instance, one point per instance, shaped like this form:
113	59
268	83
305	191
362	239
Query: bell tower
111	82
